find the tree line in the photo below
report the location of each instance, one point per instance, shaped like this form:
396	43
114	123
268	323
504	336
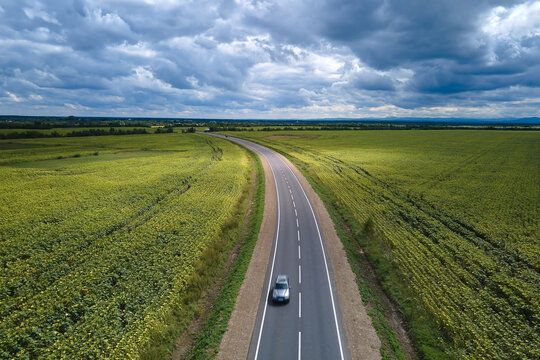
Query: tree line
76	133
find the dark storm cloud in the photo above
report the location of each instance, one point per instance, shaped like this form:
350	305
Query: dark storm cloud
382	33
270	58
370	80
435	35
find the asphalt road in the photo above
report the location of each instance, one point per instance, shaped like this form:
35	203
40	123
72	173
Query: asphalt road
309	326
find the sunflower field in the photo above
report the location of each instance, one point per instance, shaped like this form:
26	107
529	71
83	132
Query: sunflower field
99	235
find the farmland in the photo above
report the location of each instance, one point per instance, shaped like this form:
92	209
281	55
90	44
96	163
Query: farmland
449	221
100	236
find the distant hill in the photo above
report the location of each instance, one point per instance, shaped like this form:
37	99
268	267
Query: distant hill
528	120
85	120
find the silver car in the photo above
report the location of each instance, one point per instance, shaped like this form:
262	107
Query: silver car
280	293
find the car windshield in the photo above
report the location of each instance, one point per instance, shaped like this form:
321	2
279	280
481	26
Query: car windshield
280	286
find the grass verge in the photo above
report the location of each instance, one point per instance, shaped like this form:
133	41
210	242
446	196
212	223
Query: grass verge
207	343
240	234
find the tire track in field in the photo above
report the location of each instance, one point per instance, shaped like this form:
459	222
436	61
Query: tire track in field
74	258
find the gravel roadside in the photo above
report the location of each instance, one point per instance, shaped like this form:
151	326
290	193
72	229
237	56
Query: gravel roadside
235	341
361	335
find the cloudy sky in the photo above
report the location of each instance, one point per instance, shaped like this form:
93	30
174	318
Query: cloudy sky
270	59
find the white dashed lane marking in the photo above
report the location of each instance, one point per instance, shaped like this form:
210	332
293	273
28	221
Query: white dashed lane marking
299	304
299	345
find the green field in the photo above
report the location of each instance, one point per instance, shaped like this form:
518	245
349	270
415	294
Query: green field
100	236
65	130
449	220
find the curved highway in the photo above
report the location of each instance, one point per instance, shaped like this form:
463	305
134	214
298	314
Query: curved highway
310	326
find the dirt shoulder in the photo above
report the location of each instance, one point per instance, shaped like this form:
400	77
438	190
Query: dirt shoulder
361	335
235	341
186	341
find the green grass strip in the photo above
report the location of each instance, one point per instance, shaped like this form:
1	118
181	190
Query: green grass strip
207	343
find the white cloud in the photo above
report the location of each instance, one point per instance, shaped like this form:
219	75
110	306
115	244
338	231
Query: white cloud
180	42
250	45
38	12
33	46
14	97
327	63
144	78
257	7
269	71
167	4
141	49
107	20
515	23
77	107
510	27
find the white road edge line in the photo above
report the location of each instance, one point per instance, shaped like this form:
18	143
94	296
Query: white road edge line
325	262
299	304
299	345
273	261
299	274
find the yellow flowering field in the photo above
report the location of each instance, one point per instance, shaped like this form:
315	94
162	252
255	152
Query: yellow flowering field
98	236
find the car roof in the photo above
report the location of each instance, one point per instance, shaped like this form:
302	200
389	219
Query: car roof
282	278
